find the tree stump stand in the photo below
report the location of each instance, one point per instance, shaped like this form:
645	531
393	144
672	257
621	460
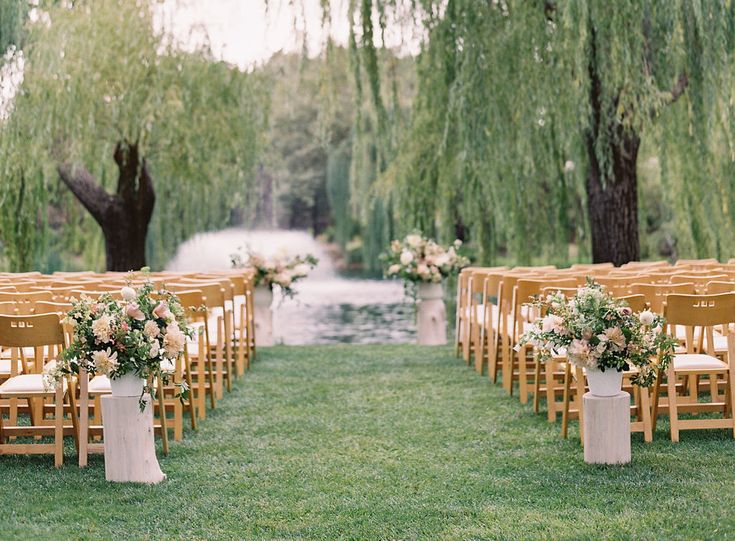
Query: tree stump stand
130	450
431	315
606	428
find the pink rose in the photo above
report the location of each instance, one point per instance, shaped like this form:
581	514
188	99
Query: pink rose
134	311
162	311
125	327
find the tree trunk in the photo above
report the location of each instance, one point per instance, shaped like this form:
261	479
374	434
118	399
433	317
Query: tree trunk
124	216
612	193
613	203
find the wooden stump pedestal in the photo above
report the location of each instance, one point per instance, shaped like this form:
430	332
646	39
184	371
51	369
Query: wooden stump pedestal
130	450
606	428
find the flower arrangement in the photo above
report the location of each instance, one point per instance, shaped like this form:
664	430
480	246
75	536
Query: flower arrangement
278	270
142	334
418	259
601	332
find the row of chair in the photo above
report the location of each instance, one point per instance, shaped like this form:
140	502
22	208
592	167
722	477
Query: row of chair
218	305
696	296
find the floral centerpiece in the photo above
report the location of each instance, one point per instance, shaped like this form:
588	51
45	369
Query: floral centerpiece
601	333
141	334
279	270
418	259
422	263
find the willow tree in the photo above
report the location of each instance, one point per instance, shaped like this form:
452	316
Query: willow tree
128	124
530	115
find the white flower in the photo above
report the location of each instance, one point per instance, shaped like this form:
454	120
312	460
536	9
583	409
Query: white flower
128	293
646	317
102	328
151	329
394	269
568	166
414	241
301	270
173	341
283	279
552	322
105	361
155	349
406	257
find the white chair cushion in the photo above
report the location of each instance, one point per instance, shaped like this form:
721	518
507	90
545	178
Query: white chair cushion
99	384
697	361
6	365
26	383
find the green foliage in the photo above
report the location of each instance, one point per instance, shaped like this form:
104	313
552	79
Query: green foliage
99	75
12	16
497	143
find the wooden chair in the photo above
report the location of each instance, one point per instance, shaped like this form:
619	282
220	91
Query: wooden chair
655	294
462	316
214	333
697	263
522	316
45	334
618	286
702	313
700	282
492	297
198	352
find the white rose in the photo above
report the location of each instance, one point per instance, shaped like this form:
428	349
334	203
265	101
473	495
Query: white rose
646	317
568	166
406	257
128	293
301	270
413	240
283	279
394	269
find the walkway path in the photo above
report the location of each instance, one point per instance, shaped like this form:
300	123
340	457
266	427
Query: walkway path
379	442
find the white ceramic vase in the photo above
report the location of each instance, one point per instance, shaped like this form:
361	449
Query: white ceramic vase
262	302
431	316
127	385
607	383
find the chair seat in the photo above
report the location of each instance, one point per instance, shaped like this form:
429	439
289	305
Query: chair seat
698	361
27	384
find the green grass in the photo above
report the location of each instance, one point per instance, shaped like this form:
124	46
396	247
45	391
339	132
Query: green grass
380	442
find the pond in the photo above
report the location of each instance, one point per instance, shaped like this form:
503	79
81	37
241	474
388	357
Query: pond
329	308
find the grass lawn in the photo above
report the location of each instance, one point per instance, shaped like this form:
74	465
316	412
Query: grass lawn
380	442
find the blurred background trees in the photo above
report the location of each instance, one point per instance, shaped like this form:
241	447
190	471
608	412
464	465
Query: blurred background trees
550	131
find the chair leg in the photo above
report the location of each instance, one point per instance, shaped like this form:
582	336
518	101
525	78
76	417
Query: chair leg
565	410
191	404
644	407
731	394
580	396
162	416
59	427
550	383
523	374
656	398
536	382
673	413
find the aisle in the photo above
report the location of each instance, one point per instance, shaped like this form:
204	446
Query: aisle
377	442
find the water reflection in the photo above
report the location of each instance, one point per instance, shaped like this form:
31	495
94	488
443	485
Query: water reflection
328	308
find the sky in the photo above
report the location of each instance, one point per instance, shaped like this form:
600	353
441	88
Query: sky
246	33
242	32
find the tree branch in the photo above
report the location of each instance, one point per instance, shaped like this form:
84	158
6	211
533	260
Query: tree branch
85	188
679	87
